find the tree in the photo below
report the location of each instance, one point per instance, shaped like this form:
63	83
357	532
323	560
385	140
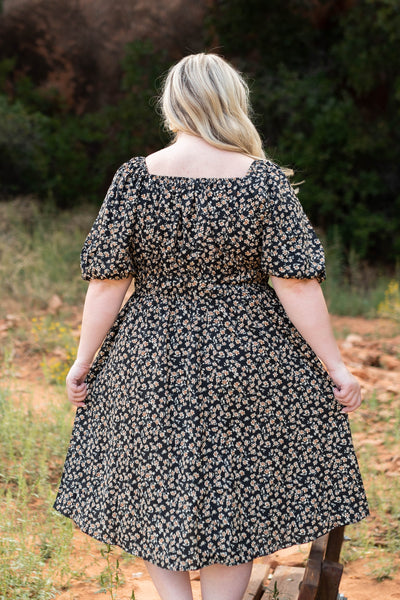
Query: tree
325	85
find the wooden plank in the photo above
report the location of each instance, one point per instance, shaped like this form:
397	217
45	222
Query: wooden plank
334	546
255	588
285	583
331	575
318	547
309	586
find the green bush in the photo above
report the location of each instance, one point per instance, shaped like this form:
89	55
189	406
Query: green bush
51	152
326	92
23	149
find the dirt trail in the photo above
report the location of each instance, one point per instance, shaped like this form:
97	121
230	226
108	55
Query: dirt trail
371	348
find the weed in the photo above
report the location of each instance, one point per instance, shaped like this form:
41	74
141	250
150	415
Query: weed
35	542
111	577
352	288
51	336
39	249
390	306
384	568
273	594
376	424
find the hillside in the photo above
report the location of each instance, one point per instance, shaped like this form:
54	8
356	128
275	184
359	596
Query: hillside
76	46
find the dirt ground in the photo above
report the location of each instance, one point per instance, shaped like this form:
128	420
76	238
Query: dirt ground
371	348
357	582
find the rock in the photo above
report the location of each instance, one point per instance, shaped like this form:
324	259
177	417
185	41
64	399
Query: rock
352	340
369	358
391	363
12	319
55	303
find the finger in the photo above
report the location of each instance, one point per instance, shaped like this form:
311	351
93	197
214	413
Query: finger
346	395
353	405
74	388
77	389
79	404
76	382
342	392
74	399
77	397
349	403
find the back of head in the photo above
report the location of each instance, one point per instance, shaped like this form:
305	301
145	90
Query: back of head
205	96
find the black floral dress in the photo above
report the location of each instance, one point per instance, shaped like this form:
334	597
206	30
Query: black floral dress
211	432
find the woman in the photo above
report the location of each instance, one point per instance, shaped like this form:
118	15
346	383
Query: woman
208	432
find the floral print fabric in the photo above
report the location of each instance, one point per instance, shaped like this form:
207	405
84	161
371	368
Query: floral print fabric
211	432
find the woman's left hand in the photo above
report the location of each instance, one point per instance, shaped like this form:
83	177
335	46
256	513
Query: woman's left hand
75	381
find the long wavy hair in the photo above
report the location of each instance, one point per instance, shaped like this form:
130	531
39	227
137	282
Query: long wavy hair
206	96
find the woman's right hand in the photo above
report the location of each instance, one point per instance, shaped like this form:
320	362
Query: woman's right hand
347	389
75	381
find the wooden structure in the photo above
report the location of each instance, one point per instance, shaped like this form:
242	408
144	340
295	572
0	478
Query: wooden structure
319	580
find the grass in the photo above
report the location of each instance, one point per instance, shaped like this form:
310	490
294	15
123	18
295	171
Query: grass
353	288
35	542
39	254
375	427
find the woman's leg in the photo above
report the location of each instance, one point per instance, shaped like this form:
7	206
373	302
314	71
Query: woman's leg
219	582
171	585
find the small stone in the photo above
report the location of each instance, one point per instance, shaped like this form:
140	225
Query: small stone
352	340
55	303
391	363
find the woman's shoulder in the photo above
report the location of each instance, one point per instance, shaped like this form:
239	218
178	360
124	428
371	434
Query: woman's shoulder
133	164
271	174
129	171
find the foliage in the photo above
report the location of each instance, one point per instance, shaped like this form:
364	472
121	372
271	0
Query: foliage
377	538
39	257
35	541
39	253
54	340
352	287
47	150
326	92
23	150
111	578
390	306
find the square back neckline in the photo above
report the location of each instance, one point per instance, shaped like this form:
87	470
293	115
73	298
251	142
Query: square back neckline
186	178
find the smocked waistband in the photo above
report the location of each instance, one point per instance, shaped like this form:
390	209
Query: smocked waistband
197	286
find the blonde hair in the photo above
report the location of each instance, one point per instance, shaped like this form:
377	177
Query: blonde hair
205	96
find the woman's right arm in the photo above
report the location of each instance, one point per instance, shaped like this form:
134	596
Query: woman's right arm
305	306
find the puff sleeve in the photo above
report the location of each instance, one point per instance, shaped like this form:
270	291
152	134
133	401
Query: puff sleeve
107	250
290	248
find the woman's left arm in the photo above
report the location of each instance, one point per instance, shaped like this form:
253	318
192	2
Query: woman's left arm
305	306
102	304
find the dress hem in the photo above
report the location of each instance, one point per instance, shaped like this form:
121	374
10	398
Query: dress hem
266	551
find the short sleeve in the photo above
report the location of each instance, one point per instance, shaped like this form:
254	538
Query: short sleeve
107	250
291	248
